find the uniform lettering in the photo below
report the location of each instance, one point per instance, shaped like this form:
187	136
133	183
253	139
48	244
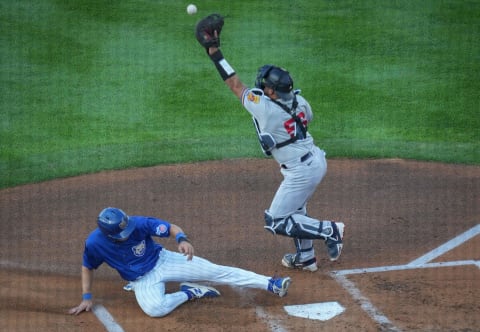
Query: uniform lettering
290	125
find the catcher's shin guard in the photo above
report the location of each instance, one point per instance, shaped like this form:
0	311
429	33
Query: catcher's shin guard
299	226
281	226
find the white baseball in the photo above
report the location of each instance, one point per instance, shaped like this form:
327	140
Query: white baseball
191	9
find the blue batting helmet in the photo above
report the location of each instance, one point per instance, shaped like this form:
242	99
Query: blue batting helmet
115	223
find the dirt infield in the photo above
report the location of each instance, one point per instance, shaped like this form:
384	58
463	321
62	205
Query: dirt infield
396	212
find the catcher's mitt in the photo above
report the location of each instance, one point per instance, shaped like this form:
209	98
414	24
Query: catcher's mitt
205	30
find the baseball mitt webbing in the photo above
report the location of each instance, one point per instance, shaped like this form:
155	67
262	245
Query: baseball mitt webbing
205	30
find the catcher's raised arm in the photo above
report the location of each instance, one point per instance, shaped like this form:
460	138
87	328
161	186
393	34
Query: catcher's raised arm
207	32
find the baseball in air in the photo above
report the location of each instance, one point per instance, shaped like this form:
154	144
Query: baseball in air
191	9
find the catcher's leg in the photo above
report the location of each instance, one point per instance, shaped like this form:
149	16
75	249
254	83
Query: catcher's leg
306	228
303	259
305	253
305	250
299	226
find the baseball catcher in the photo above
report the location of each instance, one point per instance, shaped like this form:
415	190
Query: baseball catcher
281	117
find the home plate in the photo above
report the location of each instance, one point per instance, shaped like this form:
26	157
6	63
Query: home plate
319	311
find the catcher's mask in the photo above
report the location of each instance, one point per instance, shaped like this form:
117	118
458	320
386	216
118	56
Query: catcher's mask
115	224
276	78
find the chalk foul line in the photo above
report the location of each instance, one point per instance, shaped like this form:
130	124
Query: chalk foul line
421	262
460	239
106	319
273	324
404	267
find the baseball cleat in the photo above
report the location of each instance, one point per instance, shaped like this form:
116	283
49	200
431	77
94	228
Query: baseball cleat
291	261
279	286
335	241
198	291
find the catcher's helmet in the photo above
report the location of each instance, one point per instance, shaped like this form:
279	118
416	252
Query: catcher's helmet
276	78
115	223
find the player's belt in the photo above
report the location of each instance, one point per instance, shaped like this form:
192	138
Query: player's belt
302	159
306	157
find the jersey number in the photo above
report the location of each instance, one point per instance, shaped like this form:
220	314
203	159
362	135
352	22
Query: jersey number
291	126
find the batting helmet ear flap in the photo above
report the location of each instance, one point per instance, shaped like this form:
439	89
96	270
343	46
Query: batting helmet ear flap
279	80
115	223
262	74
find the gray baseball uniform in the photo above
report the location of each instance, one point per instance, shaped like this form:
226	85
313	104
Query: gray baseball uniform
281	118
303	166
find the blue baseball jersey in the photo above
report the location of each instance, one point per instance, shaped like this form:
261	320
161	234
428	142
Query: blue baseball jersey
133	257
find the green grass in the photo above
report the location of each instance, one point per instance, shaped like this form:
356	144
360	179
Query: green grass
93	85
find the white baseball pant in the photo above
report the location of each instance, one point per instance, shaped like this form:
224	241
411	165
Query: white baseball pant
174	267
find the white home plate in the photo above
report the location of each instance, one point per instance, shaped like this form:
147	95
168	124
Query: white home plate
319	311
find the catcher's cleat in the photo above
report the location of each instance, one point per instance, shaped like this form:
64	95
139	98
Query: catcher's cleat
335	241
198	291
279	286
291	261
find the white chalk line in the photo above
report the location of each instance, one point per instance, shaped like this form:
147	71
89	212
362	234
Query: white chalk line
365	304
273	324
99	310
419	263
462	238
106	319
13	265
405	267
